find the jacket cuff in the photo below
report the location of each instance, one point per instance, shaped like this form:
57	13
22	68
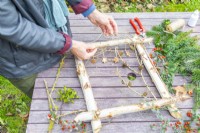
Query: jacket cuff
83	6
67	46
89	11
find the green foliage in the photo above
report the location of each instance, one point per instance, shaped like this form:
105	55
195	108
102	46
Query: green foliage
196	76
182	53
147	6
197	98
67	95
14	108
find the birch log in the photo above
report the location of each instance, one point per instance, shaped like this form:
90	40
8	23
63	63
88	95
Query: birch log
88	94
155	76
112	112
133	40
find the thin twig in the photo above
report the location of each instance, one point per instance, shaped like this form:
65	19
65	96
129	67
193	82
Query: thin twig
58	74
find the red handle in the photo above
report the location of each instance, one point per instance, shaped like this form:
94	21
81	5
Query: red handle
135	27
140	24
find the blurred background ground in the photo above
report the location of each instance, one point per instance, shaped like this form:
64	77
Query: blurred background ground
147	5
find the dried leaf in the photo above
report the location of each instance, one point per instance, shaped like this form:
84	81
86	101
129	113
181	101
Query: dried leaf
129	84
180	91
104	60
140	67
124	65
144	94
139	6
121	53
93	61
116	60
123	82
24	116
132	47
150	6
128	53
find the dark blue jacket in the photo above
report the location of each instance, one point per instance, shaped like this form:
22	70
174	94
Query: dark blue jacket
27	45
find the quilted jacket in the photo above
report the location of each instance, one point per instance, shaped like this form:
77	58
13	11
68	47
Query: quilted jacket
27	44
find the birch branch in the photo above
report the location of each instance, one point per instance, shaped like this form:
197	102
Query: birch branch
112	112
88	94
111	43
155	76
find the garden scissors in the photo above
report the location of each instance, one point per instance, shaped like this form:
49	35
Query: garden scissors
141	31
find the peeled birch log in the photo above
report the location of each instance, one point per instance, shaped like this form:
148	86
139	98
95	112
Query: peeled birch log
88	94
112	112
133	40
155	76
177	24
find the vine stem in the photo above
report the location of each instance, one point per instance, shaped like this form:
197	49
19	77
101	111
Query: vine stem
73	112
126	63
58	74
51	123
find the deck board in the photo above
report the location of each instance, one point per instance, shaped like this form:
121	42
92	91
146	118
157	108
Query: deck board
108	91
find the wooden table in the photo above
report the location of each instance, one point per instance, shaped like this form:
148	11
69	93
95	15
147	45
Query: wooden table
107	88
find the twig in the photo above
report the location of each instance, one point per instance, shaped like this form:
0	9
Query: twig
58	74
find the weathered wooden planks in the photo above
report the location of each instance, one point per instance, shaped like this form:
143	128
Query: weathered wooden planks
92	72
107	94
124	127
117	92
42	104
122	29
102	82
121	22
147	15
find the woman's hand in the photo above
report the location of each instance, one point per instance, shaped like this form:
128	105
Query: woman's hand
82	51
105	22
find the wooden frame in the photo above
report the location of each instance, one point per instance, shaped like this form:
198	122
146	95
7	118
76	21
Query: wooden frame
94	115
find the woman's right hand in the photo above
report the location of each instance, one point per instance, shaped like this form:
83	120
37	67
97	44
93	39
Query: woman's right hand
82	51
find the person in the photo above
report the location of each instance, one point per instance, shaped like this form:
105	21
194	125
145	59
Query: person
34	35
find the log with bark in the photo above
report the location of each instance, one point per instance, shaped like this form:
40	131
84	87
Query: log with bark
155	76
88	94
116	111
133	40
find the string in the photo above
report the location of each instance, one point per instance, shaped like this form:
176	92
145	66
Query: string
104	50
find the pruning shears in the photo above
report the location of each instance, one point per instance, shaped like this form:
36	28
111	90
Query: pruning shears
141	31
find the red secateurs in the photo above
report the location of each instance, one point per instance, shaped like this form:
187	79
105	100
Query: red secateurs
140	31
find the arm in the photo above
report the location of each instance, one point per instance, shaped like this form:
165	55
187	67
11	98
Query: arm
82	6
88	9
20	31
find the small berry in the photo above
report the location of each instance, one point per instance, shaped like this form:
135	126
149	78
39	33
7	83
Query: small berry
190	92
73	126
63	128
189	114
68	127
60	122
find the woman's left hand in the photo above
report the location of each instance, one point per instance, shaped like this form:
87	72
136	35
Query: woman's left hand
105	22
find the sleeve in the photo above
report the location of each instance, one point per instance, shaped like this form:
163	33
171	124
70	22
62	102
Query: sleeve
20	31
82	6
